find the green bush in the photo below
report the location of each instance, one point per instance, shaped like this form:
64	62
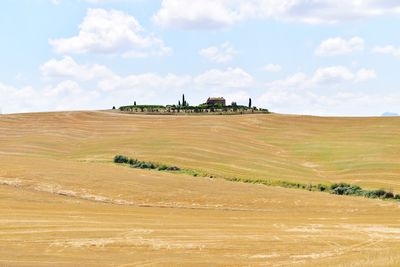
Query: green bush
173	168
144	165
134	163
375	193
346	189
321	187
162	167
121	159
388	195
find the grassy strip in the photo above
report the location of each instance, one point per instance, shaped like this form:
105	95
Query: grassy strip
336	189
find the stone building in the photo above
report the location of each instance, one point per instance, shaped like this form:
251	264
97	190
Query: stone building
216	101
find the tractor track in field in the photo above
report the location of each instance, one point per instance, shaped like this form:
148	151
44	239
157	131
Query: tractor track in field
57	190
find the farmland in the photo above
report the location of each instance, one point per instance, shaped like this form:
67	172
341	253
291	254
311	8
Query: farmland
64	202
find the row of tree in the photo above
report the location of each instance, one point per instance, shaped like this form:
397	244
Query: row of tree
184	103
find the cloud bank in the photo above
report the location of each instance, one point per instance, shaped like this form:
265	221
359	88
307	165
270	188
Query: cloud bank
111	32
203	14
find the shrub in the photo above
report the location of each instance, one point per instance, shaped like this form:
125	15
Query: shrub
173	168
121	159
162	167
132	161
388	195
375	193
309	187
346	189
321	187
144	165
379	192
353	190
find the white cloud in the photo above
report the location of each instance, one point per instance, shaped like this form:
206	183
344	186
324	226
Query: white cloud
219	54
99	1
340	46
107	80
229	78
297	80
332	75
195	14
66	95
388	49
272	68
111	32
363	75
339	103
299	93
339	74
66	87
56	2
203	14
145	86
324	78
145	83
310	94
240	96
68	68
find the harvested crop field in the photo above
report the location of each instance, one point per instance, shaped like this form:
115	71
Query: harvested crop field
65	203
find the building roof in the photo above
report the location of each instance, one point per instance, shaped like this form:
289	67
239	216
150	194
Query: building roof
216	98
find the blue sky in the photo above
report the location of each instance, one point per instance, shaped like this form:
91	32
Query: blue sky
290	56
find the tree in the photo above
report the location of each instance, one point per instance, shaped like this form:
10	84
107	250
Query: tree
183	100
179	103
113	107
134	103
249	102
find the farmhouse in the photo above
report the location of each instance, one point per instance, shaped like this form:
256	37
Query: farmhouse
220	101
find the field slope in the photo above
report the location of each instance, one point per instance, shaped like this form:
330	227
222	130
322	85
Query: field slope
63	201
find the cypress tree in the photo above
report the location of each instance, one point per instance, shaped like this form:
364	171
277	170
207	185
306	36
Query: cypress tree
249	102
134	103
183	100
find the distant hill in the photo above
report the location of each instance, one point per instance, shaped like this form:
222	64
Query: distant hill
389	114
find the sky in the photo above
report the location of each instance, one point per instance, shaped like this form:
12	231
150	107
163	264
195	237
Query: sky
329	58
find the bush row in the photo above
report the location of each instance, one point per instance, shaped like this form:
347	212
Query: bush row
336	189
134	163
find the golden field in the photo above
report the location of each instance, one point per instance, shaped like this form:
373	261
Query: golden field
64	203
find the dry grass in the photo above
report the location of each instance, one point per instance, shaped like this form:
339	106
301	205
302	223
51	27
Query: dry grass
64	203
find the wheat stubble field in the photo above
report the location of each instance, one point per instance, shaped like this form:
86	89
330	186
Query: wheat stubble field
65	203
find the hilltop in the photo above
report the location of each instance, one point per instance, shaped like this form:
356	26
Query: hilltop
213	105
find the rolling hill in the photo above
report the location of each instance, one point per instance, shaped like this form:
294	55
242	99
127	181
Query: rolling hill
64	202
